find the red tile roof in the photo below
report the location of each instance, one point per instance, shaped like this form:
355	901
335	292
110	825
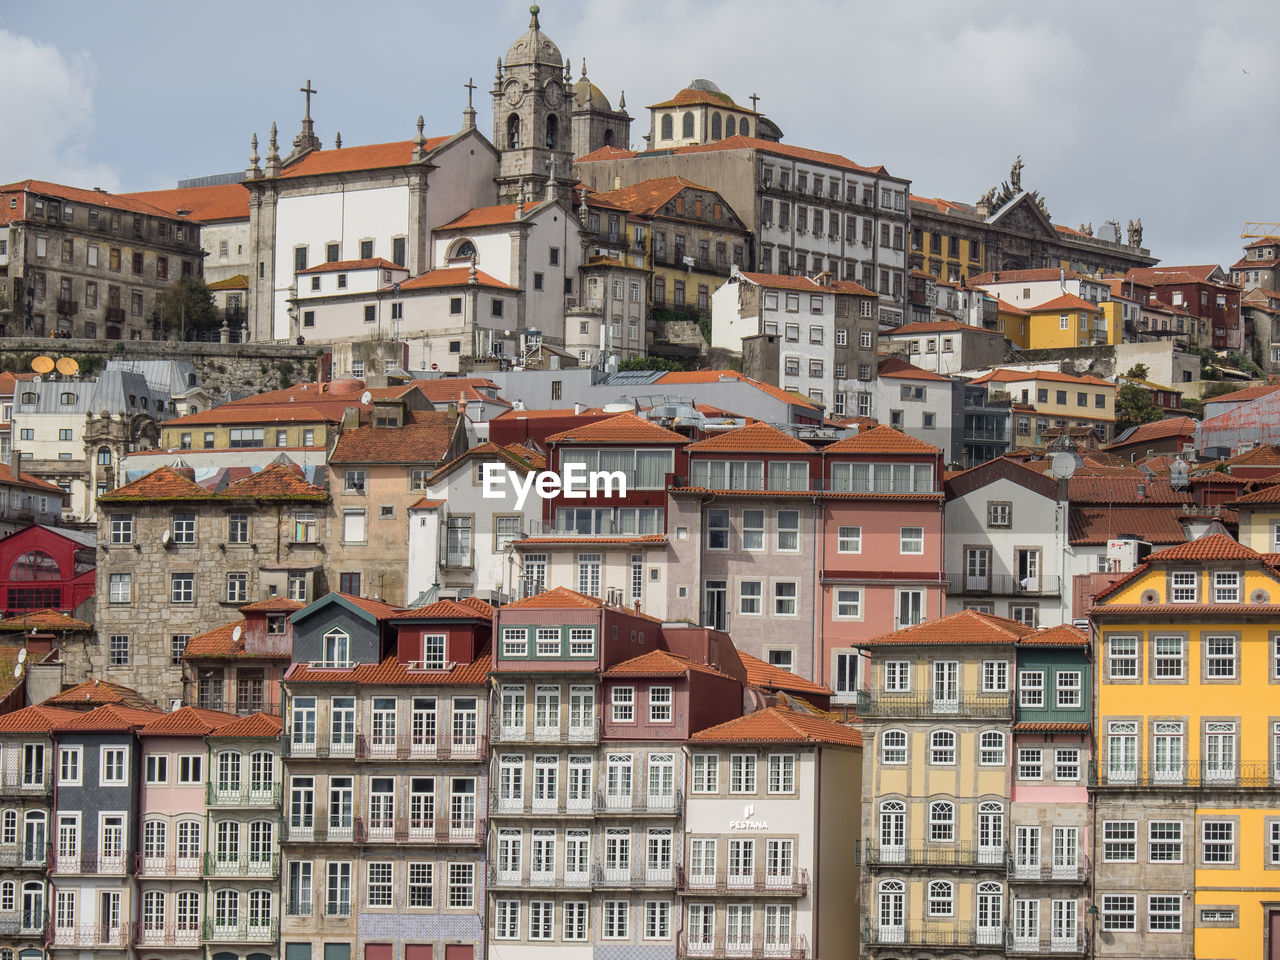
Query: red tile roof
186	722
765	675
422	503
780	725
1004	306
453	277
757	437
27	481
1068	301
256	726
1216	546
275	481
1157	430
486	217
645	198
1064	635
626	428
111	717
449	389
1097	525
425	438
1248	393
555	598
37	719
965	627
392	672
718	376
375	608
1011	376
470	608
95	693
273	605
45	620
492	451
781	150
691	97
373	156
229	413
937	326
606	153
219	642
1023	276
881	439
1123	488
92	198
895	369
369	263
659	663
206	204
784	281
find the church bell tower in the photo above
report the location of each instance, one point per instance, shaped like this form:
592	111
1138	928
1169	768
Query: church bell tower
532	116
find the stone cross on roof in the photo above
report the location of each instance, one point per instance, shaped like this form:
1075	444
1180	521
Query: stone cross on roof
308	91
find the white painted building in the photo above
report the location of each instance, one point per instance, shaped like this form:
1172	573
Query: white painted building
1030	288
917	402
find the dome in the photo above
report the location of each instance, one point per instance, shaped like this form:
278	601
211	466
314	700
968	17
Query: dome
587	95
534	46
706	86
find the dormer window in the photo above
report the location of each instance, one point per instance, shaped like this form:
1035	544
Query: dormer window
1182	586
1226	586
337	649
275	625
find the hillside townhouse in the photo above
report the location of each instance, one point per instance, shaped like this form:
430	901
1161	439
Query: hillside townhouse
812	336
918	402
1259	523
1032	288
238	666
222	210
1059	400
1007	544
946	346
1183	783
1063	322
1211	300
176	557
1258	265
385	770
25	499
984	418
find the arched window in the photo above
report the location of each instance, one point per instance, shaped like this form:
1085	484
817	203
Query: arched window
337	648
35	835
893	746
104	456
942	821
743	128
553	128
259	911
668	131
191	379
261	845
608	138
892	904
893	830
226	908
991	748
990	911
193	409
942	748
33	565
513	132
153	910
715	126
942	898
686	125
28	398
33	901
68	398
262	772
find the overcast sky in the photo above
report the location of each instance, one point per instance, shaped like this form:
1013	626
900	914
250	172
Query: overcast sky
1165	110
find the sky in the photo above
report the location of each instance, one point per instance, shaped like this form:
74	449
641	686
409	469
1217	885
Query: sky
1163	110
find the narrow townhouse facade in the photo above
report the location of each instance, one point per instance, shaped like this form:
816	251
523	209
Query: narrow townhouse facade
385	774
172	841
766	867
1059	401
28	773
919	403
175	557
1183	784
237	667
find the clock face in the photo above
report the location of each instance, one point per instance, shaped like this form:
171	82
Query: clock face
513	92
553	93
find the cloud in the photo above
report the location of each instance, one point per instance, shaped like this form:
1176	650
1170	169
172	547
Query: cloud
48	112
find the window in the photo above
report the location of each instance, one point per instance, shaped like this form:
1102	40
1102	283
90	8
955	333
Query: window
237	587
660	704
849	540
182	588
897	676
623	703
1164	841
121	588
122	528
1183	586
706	773
848	603
995	676
942	821
742	773
615	925
1220	658
941	898
1226	586
718	529
752	529
114	769
782	773
378	884
462	885
1031	688
893	749
1069	691
1164	914
999	514
157	768
1168	658
1219	841
421	884
911	540
942	748
1119	912
353	526
1122	658
118	650
1066	763
1119	841
785	594
69	766
991	748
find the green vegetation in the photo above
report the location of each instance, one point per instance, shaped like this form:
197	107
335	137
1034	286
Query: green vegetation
1135	406
186	309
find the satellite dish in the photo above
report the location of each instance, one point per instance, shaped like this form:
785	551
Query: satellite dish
366	397
1178	471
22	655
236	634
17	671
1063	466
43	364
67	366
166	537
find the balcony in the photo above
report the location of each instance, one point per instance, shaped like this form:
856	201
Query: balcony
1006	585
168	935
556	806
170	866
241	866
242	794
1073	942
243	706
931	935
102	936
68	308
18	784
23	923
1039	872
16	855
458	558
559	734
1190	776
240	932
878	703
538	879
769	885
655	804
793	948
441	830
90	863
953	855
419	748
114	314
632	876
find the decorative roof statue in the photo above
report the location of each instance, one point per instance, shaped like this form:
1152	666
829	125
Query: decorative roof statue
1015	175
1135	232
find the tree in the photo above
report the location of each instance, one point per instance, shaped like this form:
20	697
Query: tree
651	363
1138	371
186	309
1134	406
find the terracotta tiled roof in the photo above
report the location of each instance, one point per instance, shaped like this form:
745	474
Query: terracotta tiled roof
449	389
1248	393
1068	301
340	266
606	153
90	198
229	413
425	438
45	620
551	541
779	725
1064	635
780	150
1027	726
1097	525
895	369
37	719
761	673
453	277
375	608
239	282
275	481
218	642
784	281
490	451
1156	430
1023	276
486	217
1155	276
937	326
111	717
645	198
555	598
390	671
625	428
1256	612
1265	497
1123	488
186	722
469	609
1012	376
1267	455
1216	546
27	481
1004	306
691	97
221	202
717	376
881	439
754	438
941	205
373	156
95	693
256	726
422	503
273	605
965	627
659	663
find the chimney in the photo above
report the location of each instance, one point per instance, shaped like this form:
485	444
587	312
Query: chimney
453	410
462	403
577	408
1142	491
617	183
15	462
350	418
637	606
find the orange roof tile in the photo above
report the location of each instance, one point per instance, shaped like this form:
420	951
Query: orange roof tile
780	150
232	413
1123	489
239	282
1068	301
36	719
469	609
111	717
373	156
425	438
937	326
645	198
453	277
1216	546
965	627
95	693
92	198
186	722
499	215
659	663
554	599
369	263
1248	393
1097	525
780	725
490	450
691	97
273	605
27	481
256	726
1002	375
45	620
785	281
1004	306
894	368
221	202
758	437
375	608
881	439
275	481
761	673
625	428
218	642
717	376
422	503
390	672
606	153
1064	635
1023	276
1156	430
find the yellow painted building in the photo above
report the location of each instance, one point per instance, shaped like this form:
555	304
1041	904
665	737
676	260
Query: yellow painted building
1260	519
1059	399
1065	321
234	427
1187	848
